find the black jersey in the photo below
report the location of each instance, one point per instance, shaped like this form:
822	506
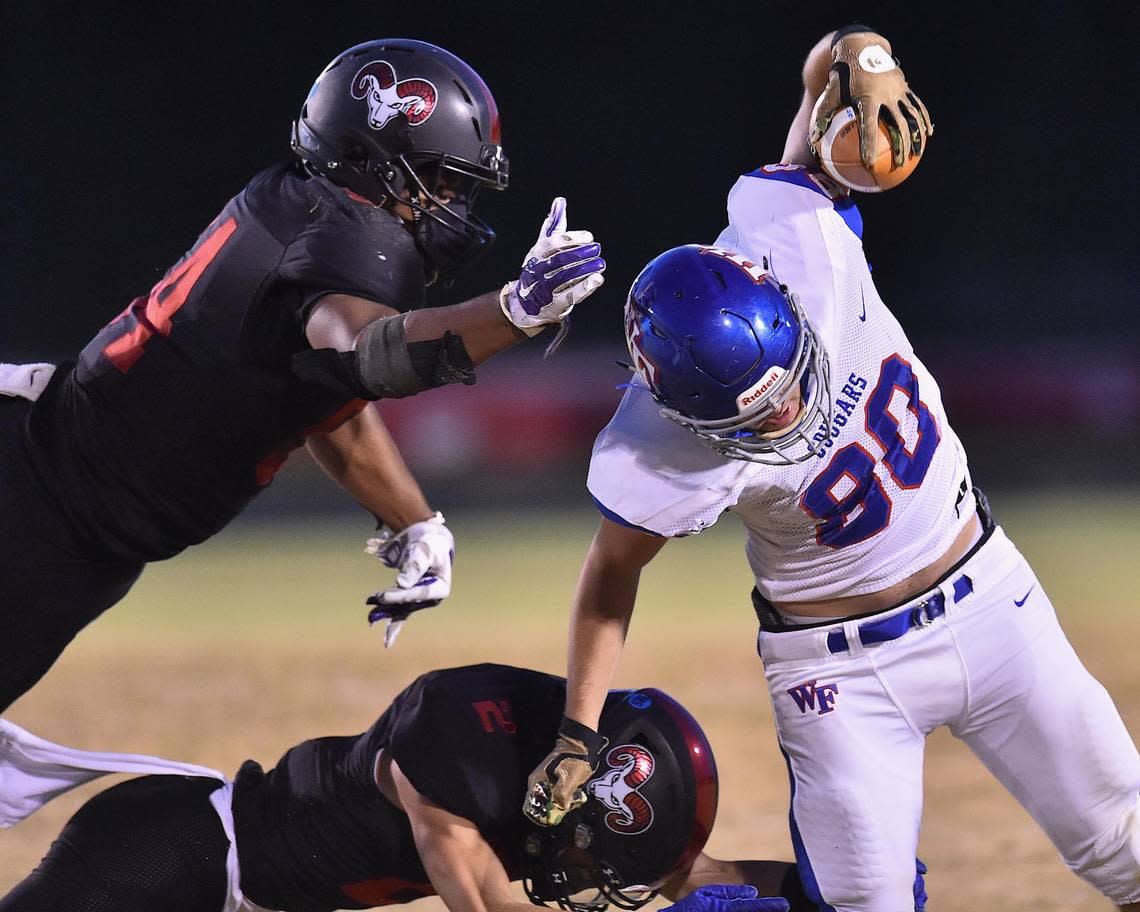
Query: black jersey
315	834
182	408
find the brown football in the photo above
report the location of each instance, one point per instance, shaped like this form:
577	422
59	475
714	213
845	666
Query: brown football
838	154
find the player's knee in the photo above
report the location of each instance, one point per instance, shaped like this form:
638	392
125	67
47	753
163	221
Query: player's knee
869	890
1111	863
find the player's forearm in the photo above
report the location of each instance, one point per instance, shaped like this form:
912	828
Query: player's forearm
817	67
510	906
362	458
479	322
768	877
599	619
815	74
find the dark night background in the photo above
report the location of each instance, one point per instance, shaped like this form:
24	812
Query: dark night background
1010	256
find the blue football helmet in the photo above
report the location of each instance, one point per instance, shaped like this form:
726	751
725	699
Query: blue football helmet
723	347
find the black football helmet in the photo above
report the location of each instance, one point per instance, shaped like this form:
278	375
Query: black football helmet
405	119
649	810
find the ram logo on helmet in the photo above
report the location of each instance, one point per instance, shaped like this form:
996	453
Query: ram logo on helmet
630	766
376	83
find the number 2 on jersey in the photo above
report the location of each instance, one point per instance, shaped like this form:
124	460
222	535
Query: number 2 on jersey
863	509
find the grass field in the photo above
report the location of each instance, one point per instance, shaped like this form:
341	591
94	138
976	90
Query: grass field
257	640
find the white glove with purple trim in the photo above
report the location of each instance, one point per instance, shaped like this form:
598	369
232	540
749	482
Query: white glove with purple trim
423	553
561	269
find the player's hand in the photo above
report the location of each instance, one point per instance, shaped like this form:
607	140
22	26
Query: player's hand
866	77
554	789
423	553
561	269
728	898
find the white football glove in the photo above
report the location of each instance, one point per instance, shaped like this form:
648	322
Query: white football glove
423	553
561	269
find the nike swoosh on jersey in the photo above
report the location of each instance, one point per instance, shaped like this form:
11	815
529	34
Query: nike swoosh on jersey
1021	601
863	315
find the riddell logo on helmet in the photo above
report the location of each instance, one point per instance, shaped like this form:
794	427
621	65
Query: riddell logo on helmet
630	767
746	399
376	83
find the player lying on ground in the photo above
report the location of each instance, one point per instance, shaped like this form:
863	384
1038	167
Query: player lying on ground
773	383
425	801
300	302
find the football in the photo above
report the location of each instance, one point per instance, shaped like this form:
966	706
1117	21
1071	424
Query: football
838	153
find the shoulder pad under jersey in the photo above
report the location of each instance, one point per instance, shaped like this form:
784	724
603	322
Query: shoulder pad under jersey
817	182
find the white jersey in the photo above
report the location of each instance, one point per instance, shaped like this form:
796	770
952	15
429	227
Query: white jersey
890	491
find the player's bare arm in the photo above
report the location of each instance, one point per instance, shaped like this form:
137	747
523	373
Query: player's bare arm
601	611
337	321
815	73
397	355
561	269
770	878
362	458
599	618
463	868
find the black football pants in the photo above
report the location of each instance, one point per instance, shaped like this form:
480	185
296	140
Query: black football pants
147	845
51	584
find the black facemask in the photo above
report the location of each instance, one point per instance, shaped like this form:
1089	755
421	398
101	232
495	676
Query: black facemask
450	237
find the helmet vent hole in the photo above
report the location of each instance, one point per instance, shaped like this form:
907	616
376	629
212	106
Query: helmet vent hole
720	279
478	132
660	335
462	91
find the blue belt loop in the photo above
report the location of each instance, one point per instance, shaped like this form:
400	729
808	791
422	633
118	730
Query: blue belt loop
963	586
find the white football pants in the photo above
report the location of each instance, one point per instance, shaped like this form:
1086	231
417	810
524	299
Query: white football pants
998	670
